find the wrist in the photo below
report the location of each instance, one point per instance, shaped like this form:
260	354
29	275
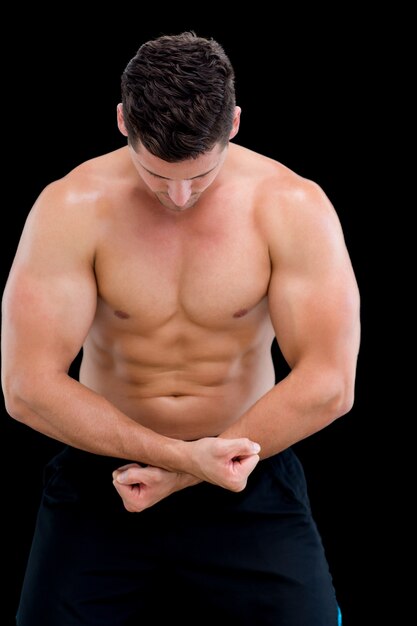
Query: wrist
178	456
188	480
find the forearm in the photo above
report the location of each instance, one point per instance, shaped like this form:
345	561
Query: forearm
66	410
297	407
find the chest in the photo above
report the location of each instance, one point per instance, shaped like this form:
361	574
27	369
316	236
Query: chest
208	271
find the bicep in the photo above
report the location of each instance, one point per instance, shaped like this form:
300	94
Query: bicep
46	318
313	294
49	300
315	315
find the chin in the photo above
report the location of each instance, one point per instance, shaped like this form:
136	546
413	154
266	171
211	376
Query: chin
168	204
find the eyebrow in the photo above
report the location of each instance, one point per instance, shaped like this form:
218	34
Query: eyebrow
166	178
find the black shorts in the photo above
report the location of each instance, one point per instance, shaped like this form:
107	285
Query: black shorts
202	555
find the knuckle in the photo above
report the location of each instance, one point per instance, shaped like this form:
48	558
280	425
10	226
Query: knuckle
237	485
132	509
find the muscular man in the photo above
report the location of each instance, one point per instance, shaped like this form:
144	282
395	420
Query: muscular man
173	262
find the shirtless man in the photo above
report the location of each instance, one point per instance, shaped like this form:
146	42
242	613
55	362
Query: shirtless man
173	263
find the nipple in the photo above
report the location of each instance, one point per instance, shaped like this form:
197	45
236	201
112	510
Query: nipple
122	315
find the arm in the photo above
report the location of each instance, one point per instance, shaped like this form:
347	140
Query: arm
48	307
314	308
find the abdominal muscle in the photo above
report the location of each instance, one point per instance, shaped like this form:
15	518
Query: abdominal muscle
198	399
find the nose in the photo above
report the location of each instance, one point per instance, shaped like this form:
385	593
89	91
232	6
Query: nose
179	191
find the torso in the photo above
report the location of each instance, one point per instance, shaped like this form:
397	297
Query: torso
181	340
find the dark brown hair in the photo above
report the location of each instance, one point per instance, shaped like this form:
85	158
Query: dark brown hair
178	96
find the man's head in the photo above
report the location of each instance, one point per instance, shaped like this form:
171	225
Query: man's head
178	97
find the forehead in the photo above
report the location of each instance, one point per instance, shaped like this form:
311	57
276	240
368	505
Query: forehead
189	168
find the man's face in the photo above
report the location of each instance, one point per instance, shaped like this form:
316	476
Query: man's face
178	186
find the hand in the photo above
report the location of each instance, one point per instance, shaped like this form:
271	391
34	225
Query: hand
224	462
141	487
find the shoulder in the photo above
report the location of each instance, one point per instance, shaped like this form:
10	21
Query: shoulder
68	212
277	190
294	215
83	191
291	210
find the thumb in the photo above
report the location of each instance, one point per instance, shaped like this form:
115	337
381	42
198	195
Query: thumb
127	474
243	447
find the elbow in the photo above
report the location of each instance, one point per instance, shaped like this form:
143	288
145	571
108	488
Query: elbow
343	402
339	398
15	407
16	402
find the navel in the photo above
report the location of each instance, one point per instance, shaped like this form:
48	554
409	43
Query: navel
122	315
240	313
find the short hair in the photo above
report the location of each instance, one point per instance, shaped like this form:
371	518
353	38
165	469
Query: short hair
178	96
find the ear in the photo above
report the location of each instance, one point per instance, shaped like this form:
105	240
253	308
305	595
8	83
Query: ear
120	120
236	123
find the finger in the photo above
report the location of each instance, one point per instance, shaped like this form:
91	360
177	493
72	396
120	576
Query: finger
121	469
241	447
130	493
133	475
247	464
130	500
240	472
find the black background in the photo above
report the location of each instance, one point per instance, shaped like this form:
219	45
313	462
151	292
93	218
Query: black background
309	86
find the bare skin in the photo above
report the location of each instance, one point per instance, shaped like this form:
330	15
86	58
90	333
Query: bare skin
174	278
